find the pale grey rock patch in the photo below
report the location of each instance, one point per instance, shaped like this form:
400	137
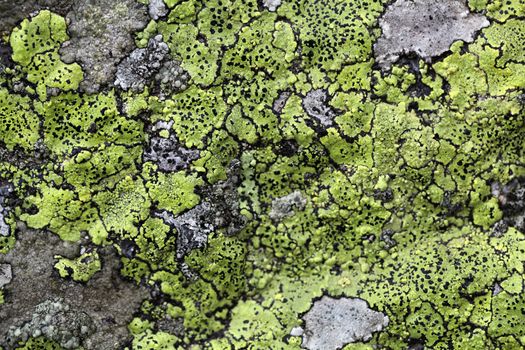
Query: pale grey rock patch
193	228
315	104
332	323
171	78
100	37
6	275
5	191
297	332
280	101
55	320
496	289
221	210
4	227
271	5
285	206
152	64
171	325
137	69
426	28
511	199
107	299
157	9
168	153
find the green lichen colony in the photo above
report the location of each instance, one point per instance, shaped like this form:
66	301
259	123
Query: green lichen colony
394	173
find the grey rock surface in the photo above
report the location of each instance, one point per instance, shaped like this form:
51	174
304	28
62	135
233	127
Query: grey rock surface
157	9
55	320
171	78
168	153
137	69
315	104
219	211
107	299
280	101
192	227
332	323
6	275
5	191
511	197
426	28
286	206
101	36
4	228
271	5
13	11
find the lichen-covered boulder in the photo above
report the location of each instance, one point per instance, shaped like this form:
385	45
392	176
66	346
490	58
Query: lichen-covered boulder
277	174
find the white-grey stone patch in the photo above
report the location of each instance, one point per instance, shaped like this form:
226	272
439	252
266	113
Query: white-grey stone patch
332	323
426	28
136	70
285	206
57	321
101	35
271	5
157	9
315	104
297	331
496	289
5	191
4	227
6	275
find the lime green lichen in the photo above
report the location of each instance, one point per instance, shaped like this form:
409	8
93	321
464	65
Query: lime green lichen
122	208
349	42
35	47
19	125
92	121
42	33
399	205
153	341
173	192
196	113
39	343
199	60
80	269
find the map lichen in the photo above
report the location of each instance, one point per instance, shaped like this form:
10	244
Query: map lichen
254	165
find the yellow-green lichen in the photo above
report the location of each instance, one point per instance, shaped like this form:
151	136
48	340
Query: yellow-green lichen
80	269
402	176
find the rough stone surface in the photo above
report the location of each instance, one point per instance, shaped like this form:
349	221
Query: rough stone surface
106	299
157	9
171	78
173	244
137	69
101	36
511	198
280	101
426	28
6	274
220	211
54	320
168	153
4	228
332	323
12	11
285	206
271	5
316	106
192	228
5	191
